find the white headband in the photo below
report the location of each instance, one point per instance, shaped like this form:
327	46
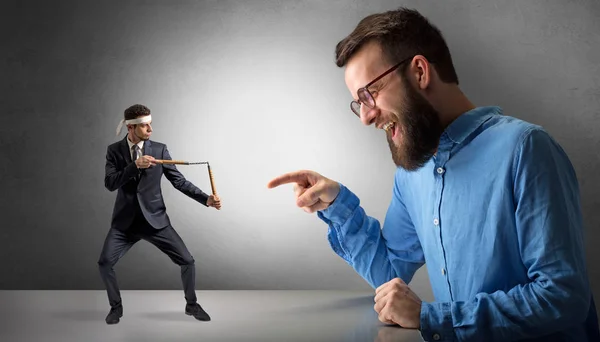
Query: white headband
143	119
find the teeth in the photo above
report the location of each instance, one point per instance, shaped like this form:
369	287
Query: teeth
388	125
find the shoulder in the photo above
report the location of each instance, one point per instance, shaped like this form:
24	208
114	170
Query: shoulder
515	137
526	136
536	153
157	144
538	146
115	146
511	129
526	142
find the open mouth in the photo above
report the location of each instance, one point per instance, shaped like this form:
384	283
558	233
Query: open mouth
391	128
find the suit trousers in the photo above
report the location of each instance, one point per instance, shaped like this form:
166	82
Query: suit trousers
118	242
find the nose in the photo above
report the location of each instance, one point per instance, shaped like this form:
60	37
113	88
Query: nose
368	115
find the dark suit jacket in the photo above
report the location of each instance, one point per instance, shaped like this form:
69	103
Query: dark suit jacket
131	182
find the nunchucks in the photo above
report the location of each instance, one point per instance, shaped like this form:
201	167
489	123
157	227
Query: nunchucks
181	162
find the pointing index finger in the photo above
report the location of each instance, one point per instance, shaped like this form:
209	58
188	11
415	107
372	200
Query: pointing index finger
290	177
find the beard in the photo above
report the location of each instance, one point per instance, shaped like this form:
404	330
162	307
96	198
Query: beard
420	130
142	137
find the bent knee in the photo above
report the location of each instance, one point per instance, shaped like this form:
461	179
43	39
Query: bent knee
186	261
106	262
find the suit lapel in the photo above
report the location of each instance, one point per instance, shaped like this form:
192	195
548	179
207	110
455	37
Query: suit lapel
147	148
125	150
147	152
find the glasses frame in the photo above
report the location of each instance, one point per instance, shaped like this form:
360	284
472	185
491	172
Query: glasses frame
367	97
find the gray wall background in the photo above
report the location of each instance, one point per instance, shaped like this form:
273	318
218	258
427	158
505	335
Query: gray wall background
250	86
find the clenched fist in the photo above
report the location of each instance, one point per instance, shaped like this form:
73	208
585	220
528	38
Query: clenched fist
313	191
214	201
396	303
145	162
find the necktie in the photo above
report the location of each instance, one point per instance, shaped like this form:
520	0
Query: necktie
136	152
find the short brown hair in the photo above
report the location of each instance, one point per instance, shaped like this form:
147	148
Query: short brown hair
401	33
135	111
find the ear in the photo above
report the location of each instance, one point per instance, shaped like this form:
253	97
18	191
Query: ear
420	70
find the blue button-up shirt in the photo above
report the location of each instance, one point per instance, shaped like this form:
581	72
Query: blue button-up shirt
496	216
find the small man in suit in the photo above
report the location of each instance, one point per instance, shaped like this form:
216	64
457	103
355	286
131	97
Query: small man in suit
139	211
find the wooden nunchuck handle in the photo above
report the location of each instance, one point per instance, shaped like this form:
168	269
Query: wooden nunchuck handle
212	181
174	162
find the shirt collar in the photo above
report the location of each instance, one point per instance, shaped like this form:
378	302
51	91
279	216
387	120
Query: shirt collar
466	124
140	144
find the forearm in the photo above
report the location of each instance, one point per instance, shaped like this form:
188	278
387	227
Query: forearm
180	183
114	179
186	187
526	311
357	238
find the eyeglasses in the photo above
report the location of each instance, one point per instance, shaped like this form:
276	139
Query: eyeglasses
365	96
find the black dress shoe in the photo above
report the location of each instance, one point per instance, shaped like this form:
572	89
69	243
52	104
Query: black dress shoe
196	311
114	315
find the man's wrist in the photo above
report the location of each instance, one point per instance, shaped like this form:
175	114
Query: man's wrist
435	322
336	196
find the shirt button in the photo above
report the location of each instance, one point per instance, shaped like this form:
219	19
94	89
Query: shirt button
440	170
436	221
436	337
443	271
